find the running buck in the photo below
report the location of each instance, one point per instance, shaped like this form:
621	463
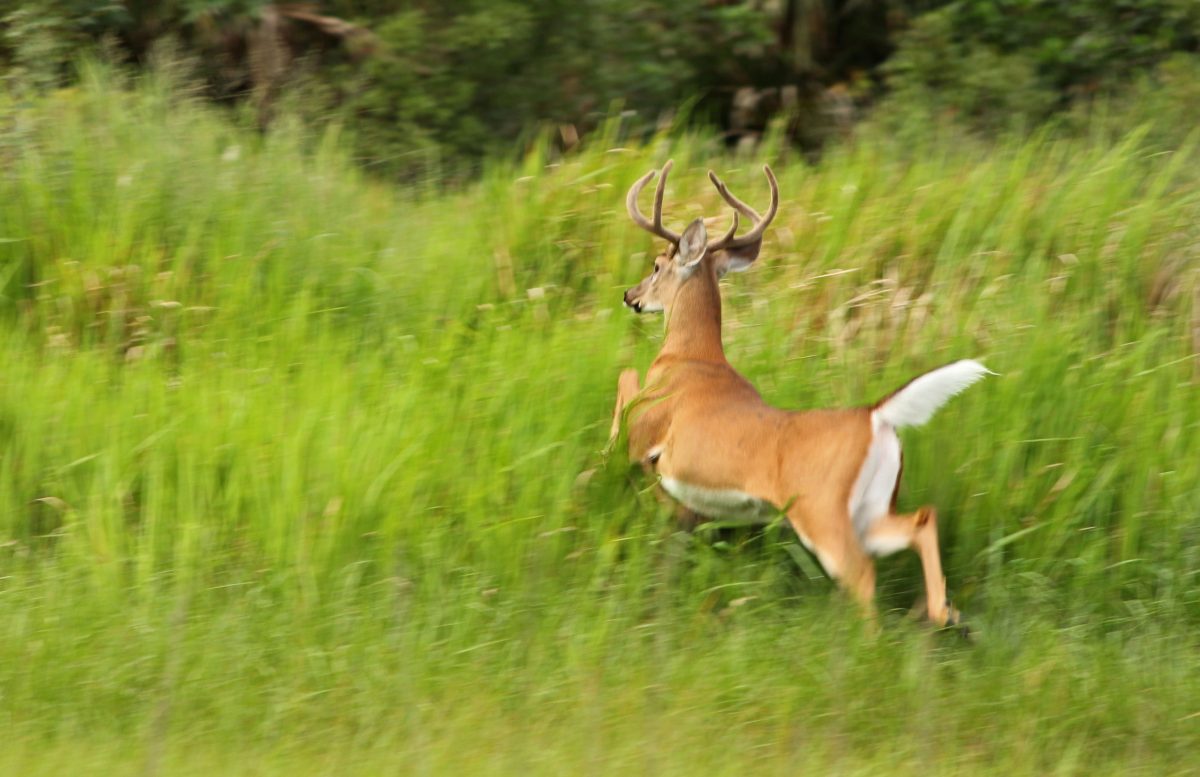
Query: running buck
724	453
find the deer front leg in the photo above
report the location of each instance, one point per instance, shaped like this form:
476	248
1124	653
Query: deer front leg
627	389
687	519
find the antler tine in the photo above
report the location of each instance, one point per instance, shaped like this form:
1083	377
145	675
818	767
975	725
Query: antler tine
760	222
737	204
656	227
723	241
659	190
631	201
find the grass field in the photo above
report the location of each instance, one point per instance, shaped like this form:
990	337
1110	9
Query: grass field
302	474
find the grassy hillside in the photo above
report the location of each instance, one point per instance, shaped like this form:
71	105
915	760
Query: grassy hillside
299	473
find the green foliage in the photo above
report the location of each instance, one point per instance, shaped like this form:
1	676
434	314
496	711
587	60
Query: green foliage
1164	100
301	473
1082	46
994	64
35	44
431	89
442	83
935	75
468	77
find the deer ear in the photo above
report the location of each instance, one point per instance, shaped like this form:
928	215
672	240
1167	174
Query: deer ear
736	259
692	245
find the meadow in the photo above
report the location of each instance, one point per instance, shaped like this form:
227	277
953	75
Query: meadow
302	472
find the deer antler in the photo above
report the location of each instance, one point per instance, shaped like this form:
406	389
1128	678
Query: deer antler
656	227
760	222
728	240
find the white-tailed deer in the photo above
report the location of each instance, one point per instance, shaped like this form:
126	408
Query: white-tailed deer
724	453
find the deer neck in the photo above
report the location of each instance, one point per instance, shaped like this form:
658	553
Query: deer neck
694	319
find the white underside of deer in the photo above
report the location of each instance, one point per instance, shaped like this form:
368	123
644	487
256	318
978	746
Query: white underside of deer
723	453
724	503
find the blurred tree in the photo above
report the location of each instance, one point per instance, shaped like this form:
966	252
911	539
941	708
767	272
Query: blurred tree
469	76
995	62
442	83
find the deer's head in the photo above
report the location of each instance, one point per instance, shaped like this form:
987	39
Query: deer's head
692	251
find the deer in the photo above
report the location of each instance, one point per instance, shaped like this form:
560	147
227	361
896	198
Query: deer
720	451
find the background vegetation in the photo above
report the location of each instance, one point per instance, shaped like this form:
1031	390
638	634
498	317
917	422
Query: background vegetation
301	470
432	88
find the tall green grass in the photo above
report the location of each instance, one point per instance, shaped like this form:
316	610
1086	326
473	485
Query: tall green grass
299	472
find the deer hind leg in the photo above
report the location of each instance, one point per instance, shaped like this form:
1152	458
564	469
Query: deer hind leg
627	389
917	531
832	540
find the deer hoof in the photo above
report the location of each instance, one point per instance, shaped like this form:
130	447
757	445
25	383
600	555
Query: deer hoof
954	622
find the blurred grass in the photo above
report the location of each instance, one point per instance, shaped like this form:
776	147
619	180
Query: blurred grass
290	461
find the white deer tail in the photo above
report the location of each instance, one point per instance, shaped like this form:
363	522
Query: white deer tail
915	402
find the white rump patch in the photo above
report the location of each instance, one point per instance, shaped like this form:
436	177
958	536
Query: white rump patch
871	496
916	403
719	503
885	545
913	405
